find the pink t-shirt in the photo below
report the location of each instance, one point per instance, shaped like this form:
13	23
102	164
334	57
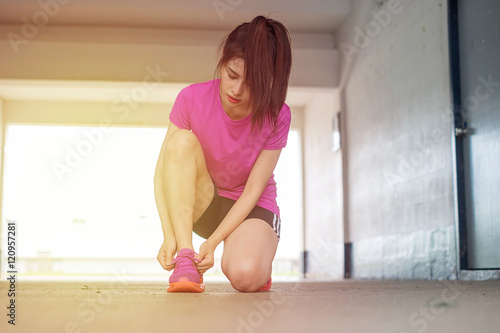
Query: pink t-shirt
230	146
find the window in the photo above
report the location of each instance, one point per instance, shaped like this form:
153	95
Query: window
84	203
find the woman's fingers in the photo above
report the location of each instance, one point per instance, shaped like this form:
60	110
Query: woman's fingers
206	263
161	259
206	257
165	258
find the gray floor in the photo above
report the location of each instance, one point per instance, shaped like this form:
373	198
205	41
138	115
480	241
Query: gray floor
345	306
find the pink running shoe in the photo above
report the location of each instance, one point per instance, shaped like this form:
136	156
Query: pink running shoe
185	277
266	287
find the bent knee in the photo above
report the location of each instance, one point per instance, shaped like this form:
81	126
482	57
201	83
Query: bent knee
181	142
246	277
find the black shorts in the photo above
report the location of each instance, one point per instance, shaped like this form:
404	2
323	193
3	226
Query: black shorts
218	209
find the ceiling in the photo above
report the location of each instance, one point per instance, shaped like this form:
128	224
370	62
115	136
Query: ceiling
322	16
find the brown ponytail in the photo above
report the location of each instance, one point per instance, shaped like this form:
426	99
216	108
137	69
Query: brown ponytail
264	45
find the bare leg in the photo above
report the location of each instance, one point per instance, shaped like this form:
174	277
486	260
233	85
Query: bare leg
248	255
187	184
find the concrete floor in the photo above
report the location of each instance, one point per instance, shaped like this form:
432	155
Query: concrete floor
344	306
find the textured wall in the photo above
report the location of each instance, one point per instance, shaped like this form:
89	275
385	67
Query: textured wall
400	161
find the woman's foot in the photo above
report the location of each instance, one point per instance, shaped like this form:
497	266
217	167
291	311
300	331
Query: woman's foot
185	277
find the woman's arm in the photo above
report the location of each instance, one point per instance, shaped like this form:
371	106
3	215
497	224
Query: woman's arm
257	181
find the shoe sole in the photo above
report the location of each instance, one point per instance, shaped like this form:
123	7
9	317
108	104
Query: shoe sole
185	287
267	286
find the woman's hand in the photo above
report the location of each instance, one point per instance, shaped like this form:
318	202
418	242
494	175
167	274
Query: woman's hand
167	254
206	256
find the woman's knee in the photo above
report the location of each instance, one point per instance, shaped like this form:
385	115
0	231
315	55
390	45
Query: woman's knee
246	276
181	143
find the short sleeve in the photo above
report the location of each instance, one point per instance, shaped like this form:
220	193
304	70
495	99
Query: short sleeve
278	139
180	114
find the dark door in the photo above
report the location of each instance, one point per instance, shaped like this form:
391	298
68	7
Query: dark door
479	59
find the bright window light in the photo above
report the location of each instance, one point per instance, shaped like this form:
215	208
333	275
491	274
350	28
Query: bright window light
84	203
288	176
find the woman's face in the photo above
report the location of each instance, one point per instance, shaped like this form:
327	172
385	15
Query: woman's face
234	92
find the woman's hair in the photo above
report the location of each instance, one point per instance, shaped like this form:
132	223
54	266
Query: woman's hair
264	45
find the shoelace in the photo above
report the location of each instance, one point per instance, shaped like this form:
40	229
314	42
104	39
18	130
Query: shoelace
181	262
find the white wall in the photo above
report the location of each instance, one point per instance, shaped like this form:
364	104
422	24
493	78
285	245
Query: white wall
323	190
399	136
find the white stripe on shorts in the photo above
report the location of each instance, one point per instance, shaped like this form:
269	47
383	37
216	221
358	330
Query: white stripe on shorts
277	225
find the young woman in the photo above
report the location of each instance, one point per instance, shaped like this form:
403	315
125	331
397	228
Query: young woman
215	170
